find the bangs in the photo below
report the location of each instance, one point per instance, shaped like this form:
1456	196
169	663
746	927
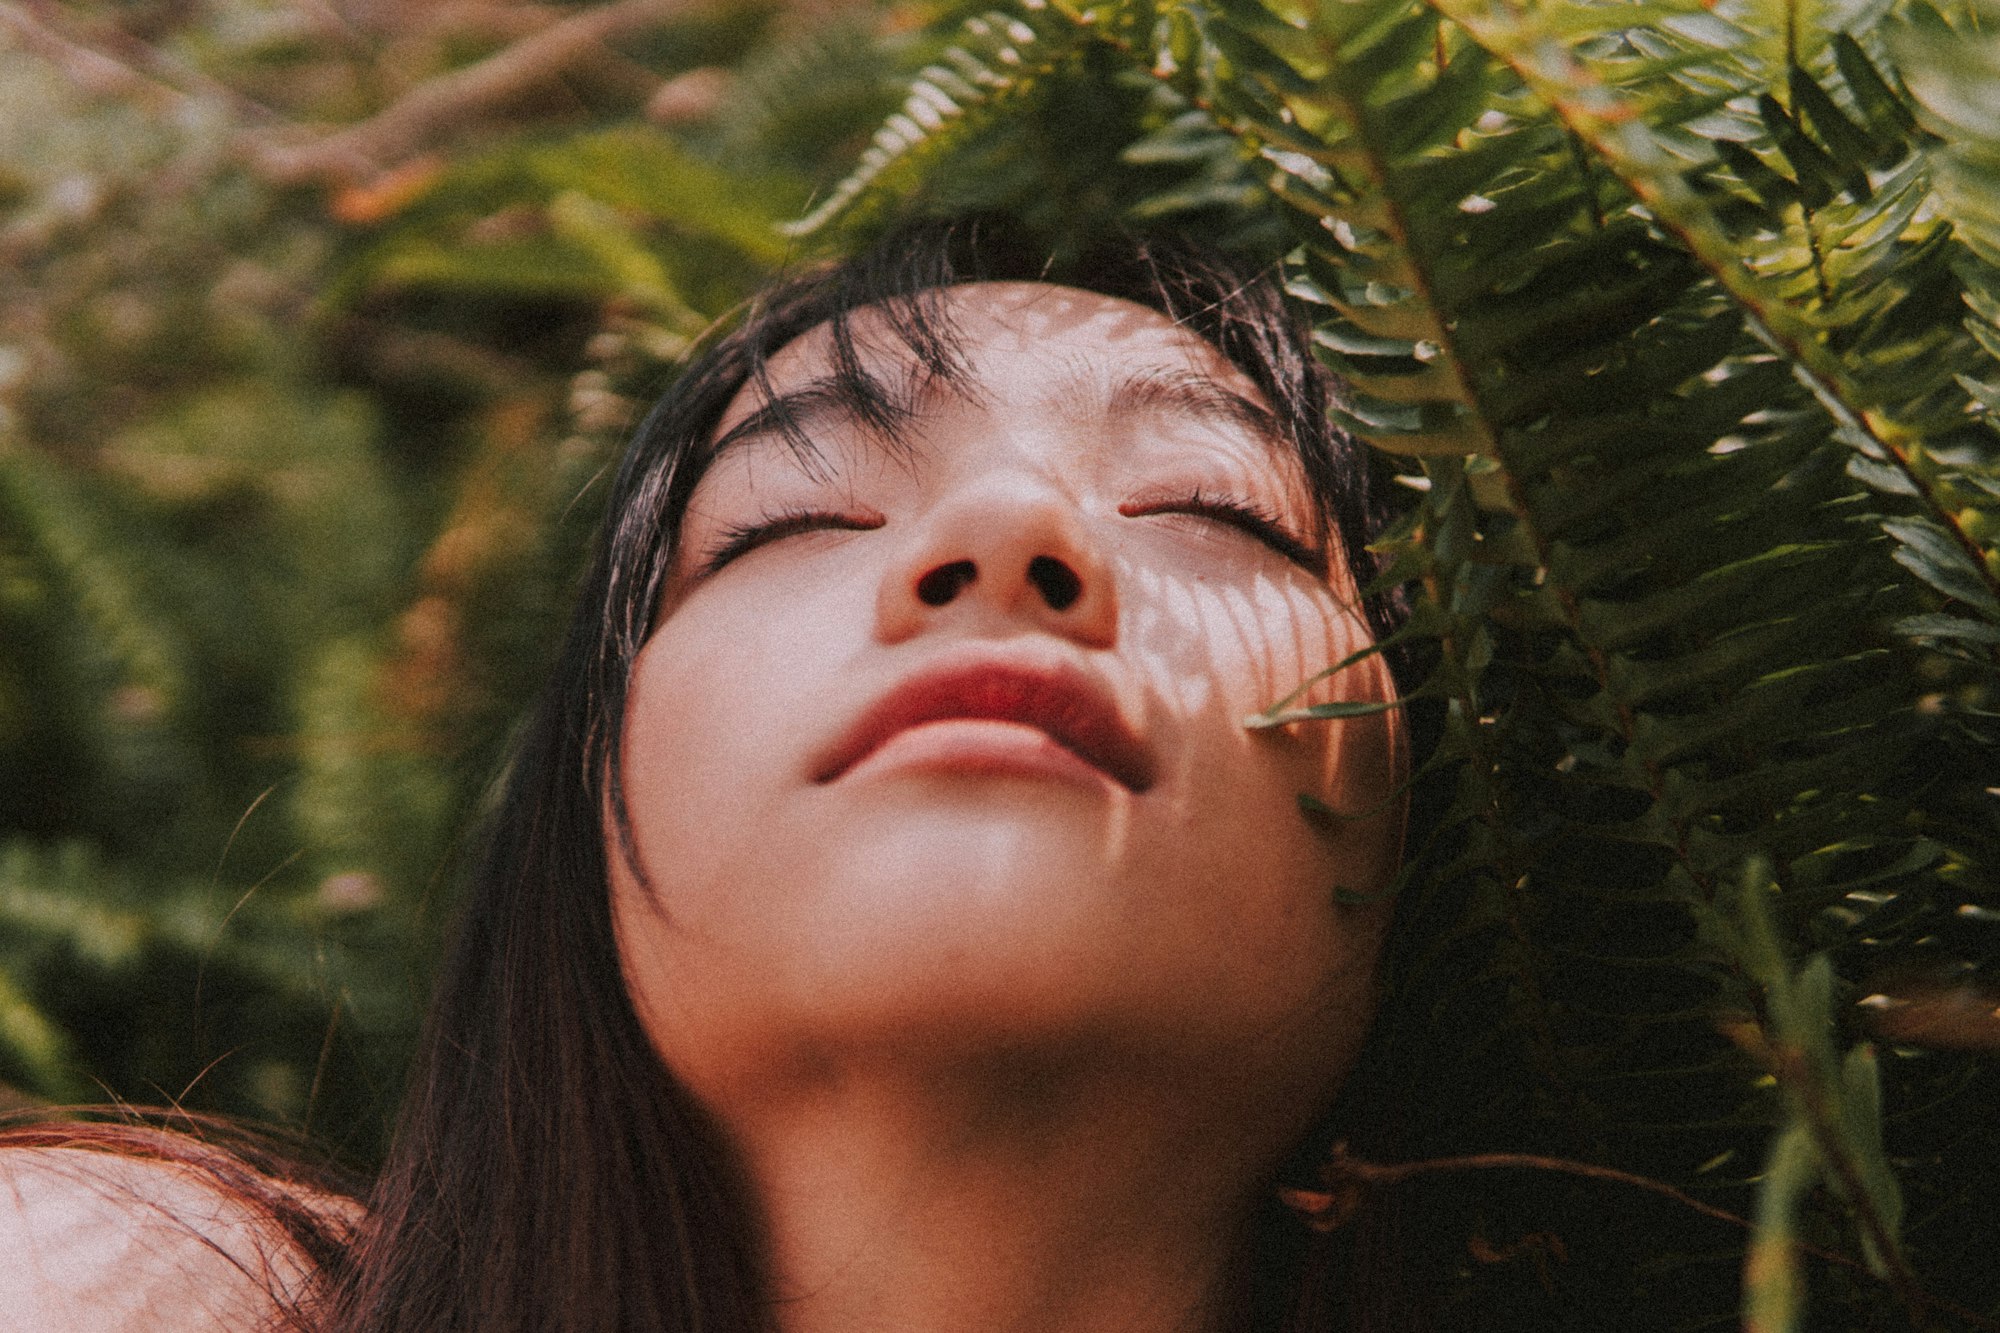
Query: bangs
903	280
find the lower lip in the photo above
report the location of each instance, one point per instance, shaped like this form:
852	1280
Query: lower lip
978	747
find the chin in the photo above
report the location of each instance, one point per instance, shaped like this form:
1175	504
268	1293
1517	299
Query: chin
966	889
1015	924
990	847
972	941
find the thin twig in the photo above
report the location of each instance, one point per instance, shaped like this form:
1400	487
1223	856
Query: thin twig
92	71
409	123
109	41
1348	1180
278	152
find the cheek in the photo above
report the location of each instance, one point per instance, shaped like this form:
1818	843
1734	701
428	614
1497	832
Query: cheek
1233	647
734	673
718	700
695	767
723	702
1216	651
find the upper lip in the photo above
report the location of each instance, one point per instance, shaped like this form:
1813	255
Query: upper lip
1062	700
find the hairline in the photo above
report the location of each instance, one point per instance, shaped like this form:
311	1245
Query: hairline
826	399
851	394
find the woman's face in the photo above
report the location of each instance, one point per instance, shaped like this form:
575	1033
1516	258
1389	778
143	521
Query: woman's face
938	745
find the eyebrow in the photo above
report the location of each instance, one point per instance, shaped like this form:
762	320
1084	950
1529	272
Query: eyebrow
1190	394
883	408
791	417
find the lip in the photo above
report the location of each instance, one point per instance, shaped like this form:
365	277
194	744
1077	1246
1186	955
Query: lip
1063	702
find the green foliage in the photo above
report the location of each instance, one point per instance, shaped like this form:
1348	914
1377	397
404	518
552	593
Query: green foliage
1680	322
296	468
1002	59
620	213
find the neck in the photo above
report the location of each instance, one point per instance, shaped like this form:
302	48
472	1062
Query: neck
1009	1193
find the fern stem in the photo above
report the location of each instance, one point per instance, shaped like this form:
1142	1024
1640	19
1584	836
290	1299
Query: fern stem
1617	134
1816	252
1395	216
1336	93
1585	165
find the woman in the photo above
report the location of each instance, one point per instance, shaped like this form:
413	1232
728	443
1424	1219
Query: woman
888	921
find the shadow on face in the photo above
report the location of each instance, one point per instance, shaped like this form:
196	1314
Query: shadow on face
937	749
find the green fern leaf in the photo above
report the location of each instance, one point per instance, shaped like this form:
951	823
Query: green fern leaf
999	59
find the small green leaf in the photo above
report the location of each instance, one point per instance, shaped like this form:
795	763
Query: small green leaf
1936	625
1820	177
1861	1121
1322	712
1884	477
1934	557
1772	187
1358	655
1887	114
1773	1286
1843	139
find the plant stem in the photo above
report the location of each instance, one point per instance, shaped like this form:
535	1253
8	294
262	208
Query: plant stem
1349	1180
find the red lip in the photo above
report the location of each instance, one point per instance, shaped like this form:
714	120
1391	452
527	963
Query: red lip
1063	702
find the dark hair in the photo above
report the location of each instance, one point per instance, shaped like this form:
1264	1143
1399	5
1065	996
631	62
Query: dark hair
1233	306
547	1171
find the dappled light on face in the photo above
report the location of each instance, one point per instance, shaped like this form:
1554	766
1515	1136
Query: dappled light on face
940	745
1162	626
1214	651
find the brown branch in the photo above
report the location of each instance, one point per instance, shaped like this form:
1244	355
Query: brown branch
290	153
1349	1180
504	20
410	123
108	41
94	72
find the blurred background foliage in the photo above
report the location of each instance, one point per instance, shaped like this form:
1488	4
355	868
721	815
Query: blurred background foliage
1678	322
318	325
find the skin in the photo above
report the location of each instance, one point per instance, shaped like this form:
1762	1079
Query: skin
1000	1042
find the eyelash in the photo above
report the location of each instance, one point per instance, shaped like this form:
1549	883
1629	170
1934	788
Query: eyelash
1245	515
739	540
1236	512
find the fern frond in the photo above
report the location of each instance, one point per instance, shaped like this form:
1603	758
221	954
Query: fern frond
807	101
1811	275
1001	58
63	533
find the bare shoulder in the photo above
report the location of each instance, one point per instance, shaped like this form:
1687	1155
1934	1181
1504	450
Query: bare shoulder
100	1242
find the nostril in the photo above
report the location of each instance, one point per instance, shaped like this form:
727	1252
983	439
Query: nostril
1057	582
945	582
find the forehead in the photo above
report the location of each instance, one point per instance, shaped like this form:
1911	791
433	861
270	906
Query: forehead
1010	336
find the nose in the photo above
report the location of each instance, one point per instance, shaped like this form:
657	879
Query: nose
1016	551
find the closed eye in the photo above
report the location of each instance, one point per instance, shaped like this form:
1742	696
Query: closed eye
739	540
1246	516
